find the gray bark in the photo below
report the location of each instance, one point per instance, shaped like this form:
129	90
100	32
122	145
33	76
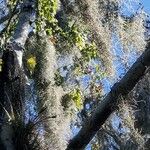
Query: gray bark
57	126
110	102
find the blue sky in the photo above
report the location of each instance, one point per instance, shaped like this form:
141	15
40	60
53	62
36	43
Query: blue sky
146	4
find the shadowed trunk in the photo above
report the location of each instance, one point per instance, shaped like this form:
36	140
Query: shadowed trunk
12	80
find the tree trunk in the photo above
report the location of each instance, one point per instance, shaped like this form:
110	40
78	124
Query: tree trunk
12	80
57	126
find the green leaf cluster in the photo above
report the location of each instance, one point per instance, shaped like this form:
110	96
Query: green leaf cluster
59	80
46	15
31	64
47	9
73	36
11	3
76	37
77	98
89	52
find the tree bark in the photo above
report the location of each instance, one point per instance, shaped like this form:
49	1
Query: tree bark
110	102
12	80
57	126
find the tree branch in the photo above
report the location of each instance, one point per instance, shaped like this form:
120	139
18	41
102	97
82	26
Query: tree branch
110	102
10	18
6	17
22	30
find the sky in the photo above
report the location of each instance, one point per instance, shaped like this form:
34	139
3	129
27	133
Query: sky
146	4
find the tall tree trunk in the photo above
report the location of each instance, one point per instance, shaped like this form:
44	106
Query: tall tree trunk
57	125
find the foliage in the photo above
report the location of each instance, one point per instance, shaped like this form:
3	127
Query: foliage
77	98
74	96
59	80
31	63
89	52
46	16
11	3
73	36
91	32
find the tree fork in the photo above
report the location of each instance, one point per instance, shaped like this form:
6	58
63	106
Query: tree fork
109	104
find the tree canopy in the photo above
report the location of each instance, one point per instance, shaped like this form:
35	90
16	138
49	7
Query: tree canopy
67	65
